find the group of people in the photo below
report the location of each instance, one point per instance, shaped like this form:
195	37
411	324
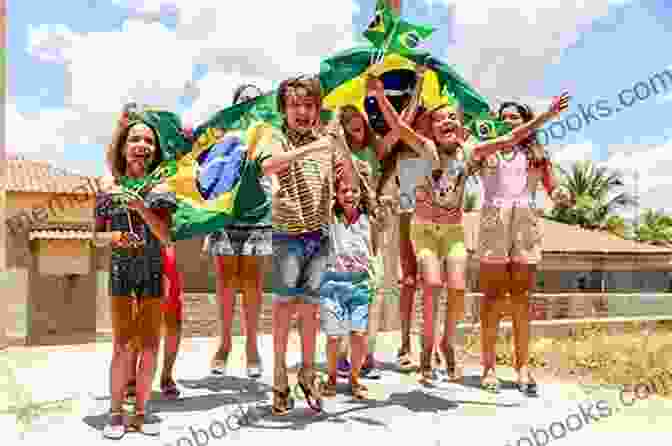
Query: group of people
324	202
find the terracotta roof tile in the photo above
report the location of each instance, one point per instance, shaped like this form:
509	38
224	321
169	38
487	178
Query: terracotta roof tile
61	235
40	176
559	237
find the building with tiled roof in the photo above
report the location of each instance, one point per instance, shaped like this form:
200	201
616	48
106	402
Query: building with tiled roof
51	271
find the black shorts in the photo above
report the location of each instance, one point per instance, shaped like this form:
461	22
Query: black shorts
138	276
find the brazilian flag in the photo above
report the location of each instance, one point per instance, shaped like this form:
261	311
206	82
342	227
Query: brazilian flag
343	77
208	179
390	33
485	127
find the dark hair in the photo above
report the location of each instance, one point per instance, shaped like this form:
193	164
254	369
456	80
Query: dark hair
364	204
238	92
120	157
310	83
523	109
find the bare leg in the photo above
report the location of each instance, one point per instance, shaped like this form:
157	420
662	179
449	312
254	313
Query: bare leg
122	355
252	288
226	268
149	327
171	346
494	279
523	277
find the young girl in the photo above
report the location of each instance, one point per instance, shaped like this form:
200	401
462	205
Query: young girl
345	289
137	234
437	228
238	252
510	238
366	149
172	307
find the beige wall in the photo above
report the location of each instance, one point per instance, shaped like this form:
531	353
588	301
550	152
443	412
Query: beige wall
13	318
61	305
61	257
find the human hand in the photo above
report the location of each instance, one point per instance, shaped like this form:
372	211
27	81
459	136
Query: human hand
374	86
560	103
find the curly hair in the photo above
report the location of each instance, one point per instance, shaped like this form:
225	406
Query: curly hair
351	176
118	155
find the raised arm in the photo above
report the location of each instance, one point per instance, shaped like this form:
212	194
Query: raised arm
421	145
519	134
408	115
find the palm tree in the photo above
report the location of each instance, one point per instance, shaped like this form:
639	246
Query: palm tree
656	228
596	192
615	224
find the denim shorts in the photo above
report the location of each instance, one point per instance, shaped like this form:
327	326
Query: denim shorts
241	241
344	303
298	268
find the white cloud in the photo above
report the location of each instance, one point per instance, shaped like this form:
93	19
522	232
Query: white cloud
651	164
501	47
256	41
572	153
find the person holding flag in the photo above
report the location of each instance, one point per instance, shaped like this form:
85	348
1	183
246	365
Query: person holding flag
137	226
238	252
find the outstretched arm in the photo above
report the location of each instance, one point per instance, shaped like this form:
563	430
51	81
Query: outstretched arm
519	134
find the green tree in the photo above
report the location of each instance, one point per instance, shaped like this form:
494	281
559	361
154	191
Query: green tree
656	228
598	195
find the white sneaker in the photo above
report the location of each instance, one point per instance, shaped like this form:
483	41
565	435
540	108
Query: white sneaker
114	429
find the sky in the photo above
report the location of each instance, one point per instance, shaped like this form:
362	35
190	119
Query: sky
73	64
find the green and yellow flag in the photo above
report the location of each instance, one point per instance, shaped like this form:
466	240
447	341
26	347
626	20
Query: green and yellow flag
343	79
390	33
381	24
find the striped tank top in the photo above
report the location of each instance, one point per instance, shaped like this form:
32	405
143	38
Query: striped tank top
301	205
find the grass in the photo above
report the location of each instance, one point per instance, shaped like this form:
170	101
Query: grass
635	356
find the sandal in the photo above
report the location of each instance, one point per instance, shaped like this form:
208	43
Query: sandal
283	403
145	424
169	389
426	371
454	370
404	361
115	429
308	382
360	391
328	388
218	366
490	383
528	388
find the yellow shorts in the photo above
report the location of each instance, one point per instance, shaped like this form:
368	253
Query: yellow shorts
510	235
446	243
